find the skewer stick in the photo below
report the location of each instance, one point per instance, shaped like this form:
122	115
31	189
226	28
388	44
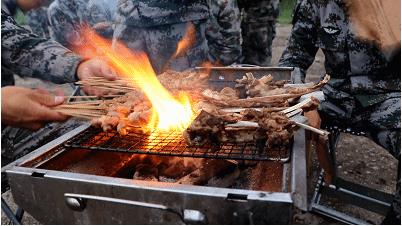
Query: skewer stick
78	114
81	97
248	124
90	107
89	102
297	106
312	129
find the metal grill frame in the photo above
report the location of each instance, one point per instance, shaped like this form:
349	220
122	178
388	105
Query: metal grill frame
172	144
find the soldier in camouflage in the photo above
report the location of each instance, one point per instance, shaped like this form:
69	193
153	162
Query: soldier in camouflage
364	90
38	22
258	30
67	17
35	11
27	54
156	27
101	15
223	32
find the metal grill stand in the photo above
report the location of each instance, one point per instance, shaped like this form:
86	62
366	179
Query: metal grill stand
346	191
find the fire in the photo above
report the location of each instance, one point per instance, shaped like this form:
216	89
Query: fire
187	41
169	112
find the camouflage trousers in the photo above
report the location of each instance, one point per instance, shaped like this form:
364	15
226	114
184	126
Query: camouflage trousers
160	44
382	124
258	30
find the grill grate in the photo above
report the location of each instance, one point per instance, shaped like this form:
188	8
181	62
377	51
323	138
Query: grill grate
171	144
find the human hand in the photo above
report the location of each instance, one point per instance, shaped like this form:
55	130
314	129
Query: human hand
95	67
26	108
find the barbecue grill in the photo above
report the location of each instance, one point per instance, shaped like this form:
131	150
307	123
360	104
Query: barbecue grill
86	177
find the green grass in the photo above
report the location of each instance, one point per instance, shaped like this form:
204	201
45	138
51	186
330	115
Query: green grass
286	10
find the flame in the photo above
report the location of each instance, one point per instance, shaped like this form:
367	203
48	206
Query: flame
187	41
169	113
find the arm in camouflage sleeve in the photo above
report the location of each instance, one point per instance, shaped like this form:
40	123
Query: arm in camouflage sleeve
301	49
223	32
29	55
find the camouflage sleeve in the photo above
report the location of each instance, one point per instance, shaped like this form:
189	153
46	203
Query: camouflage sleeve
301	50
102	12
9	6
223	32
29	55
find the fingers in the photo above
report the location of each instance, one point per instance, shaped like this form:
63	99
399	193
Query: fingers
46	114
107	72
96	67
47	100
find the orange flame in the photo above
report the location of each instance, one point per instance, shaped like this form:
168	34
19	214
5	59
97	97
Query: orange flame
169	113
187	41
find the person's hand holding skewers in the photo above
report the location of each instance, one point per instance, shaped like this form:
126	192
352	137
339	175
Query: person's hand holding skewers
95	67
27	108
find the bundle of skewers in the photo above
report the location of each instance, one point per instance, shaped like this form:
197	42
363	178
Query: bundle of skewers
266	107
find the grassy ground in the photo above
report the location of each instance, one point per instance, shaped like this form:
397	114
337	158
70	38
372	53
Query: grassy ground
286	10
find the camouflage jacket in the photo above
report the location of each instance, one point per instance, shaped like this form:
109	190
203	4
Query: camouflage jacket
38	22
150	13
66	18
29	55
9	6
360	75
223	32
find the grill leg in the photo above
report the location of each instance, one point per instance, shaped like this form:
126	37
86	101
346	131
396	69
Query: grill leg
14	219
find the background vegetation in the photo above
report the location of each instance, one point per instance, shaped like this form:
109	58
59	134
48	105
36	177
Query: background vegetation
286	10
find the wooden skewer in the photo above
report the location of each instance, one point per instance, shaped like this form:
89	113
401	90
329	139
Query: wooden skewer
297	111
89	102
80	107
297	106
78	114
248	124
312	129
82	97
237	110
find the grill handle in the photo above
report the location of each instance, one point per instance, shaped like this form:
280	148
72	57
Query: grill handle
77	202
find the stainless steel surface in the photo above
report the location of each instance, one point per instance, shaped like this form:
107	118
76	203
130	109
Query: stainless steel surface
44	198
43	194
60	197
299	171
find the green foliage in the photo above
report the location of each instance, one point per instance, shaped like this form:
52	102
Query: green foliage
286	10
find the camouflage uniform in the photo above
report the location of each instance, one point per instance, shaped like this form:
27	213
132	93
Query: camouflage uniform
258	30
36	18
38	22
9	6
29	55
102	11
66	18
156	27
223	32
364	90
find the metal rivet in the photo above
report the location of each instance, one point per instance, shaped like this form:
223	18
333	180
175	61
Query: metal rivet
75	204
